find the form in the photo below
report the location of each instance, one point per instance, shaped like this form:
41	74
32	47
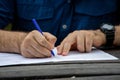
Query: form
7	59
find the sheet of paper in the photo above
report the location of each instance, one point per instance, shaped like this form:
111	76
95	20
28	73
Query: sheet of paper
15	59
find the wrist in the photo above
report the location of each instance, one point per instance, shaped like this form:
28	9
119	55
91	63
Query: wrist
102	37
117	36
21	37
11	41
109	32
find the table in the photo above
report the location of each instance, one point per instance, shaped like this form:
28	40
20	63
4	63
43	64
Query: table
80	70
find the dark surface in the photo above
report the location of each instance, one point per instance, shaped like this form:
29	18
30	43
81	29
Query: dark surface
80	70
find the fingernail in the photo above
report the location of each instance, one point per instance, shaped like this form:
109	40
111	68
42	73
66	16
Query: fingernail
64	53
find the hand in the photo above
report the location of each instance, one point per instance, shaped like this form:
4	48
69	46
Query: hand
36	45
82	40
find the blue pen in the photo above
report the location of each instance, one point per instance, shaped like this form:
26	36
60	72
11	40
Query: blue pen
38	28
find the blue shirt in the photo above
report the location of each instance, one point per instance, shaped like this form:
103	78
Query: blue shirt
59	17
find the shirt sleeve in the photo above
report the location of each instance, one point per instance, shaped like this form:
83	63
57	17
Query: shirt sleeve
6	12
90	15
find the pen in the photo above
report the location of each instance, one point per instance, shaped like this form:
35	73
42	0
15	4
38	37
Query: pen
38	28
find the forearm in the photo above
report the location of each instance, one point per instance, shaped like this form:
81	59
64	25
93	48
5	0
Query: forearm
11	41
117	36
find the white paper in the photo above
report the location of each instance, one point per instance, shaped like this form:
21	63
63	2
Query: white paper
15	59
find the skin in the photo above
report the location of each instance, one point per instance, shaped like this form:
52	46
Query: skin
35	45
31	45
83	40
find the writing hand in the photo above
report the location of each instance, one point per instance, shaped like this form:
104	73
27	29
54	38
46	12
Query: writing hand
36	45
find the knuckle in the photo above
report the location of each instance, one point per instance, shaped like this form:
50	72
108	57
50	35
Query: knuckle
42	41
82	31
34	31
76	32
91	34
45	32
27	41
54	38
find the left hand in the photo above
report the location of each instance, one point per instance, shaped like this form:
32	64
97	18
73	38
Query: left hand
82	40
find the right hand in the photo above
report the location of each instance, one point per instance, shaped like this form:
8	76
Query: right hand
36	45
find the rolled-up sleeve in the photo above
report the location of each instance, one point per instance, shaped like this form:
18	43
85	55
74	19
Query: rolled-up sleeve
6	12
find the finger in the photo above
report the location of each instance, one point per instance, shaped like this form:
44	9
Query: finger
66	44
80	42
59	49
35	53
52	39
41	40
35	56
27	48
66	49
88	41
24	48
27	51
26	54
40	51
